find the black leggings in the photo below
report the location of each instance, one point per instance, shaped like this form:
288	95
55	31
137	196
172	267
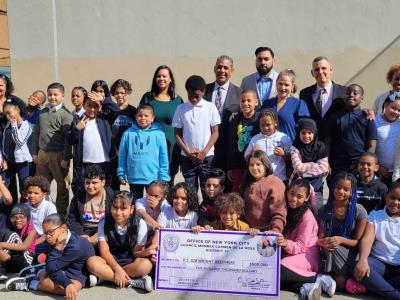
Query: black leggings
291	281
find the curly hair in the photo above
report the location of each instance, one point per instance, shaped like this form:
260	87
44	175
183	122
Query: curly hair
191	195
228	202
37	181
121	83
392	70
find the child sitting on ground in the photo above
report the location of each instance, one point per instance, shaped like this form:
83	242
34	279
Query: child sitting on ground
378	266
36	191
16	254
89	205
122	244
64	272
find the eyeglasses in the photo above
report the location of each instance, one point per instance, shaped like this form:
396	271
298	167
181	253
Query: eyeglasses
50	233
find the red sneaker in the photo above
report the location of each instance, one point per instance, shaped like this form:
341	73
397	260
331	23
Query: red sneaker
355	287
42	258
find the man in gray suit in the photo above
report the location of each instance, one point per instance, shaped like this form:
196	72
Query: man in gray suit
264	80
226	97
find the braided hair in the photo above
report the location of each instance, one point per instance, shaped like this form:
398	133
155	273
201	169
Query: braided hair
345	229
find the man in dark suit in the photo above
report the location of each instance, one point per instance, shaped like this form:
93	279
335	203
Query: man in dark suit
324	97
226	97
264	80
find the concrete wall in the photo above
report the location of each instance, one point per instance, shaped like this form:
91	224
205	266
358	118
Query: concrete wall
110	39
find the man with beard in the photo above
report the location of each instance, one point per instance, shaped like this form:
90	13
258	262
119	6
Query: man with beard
226	97
264	80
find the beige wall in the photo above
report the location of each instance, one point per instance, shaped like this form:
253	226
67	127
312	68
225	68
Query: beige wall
4	45
111	39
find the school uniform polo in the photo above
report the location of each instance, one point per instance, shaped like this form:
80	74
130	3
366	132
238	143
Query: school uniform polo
122	231
38	214
118	241
195	122
350	131
168	218
387	237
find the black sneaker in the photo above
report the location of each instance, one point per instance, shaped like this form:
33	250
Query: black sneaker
143	283
19	283
31	270
3	274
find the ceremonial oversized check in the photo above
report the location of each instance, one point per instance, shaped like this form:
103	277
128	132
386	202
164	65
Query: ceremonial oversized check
219	262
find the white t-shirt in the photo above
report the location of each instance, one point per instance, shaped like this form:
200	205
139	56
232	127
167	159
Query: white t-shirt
268	144
196	122
387	237
141	234
169	219
93	151
388	133
141	204
38	214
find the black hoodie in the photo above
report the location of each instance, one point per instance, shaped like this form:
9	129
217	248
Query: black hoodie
371	195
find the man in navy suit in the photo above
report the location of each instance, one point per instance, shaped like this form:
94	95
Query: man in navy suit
226	97
324	97
264	80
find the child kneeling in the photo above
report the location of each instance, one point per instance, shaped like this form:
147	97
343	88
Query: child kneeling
122	239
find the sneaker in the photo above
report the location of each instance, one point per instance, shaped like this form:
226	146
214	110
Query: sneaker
328	284
19	283
31	270
143	283
355	287
94	280
3	274
311	291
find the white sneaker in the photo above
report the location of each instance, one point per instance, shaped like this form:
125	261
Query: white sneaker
143	283
311	291
328	284
94	280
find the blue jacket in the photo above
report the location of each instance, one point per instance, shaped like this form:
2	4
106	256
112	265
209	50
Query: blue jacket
67	264
143	155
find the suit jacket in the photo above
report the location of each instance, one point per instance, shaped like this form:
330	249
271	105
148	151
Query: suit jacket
231	105
338	96
250	82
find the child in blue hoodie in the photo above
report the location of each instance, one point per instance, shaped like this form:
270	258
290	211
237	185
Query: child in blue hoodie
143	154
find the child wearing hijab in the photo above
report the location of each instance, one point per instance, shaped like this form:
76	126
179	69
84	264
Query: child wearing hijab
309	157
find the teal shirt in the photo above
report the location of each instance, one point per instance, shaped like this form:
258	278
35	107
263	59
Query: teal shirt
164	113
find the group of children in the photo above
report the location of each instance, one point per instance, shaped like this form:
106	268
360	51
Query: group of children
276	183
